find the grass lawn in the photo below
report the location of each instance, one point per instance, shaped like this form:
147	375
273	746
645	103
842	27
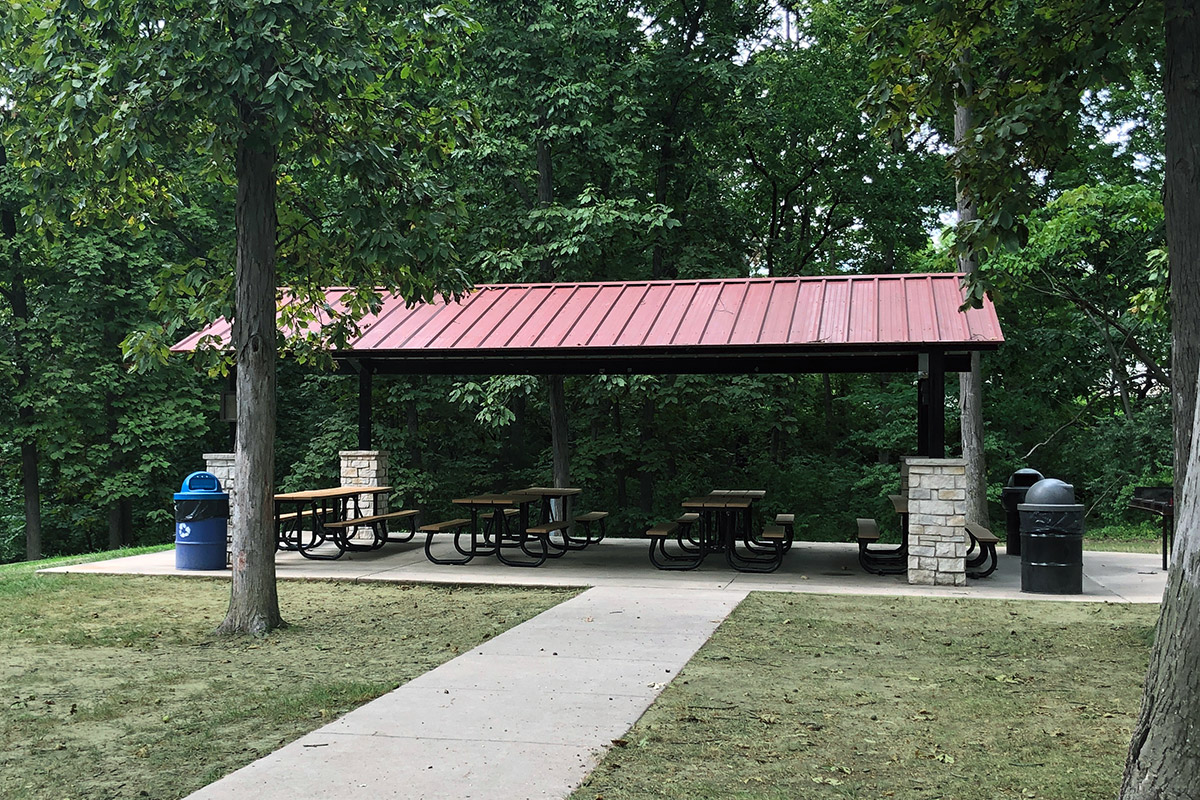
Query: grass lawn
116	687
1124	545
810	696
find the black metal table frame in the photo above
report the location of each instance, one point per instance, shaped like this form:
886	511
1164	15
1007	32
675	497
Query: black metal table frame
489	539
291	536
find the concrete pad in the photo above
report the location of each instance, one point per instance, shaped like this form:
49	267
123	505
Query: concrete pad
813	567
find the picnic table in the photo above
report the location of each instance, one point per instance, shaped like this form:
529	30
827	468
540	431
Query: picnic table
1159	500
503	521
884	560
719	522
306	520
494	535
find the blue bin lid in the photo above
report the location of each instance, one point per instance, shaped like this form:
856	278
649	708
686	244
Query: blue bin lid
200	486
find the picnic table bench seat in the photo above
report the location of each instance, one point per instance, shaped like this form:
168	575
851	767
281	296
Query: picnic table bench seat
291	515
586	521
458	527
983	562
378	523
892	561
681	528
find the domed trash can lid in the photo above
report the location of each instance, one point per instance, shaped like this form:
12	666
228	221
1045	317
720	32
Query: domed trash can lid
1048	493
200	486
1025	477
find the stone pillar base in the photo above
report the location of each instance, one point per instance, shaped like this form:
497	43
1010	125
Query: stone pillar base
937	532
221	465
366	468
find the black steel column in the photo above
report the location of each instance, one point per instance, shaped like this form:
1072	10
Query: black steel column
364	407
937	405
923	416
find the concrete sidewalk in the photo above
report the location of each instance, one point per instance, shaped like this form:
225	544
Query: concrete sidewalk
528	714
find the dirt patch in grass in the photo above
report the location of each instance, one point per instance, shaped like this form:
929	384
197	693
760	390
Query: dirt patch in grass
117	687
805	696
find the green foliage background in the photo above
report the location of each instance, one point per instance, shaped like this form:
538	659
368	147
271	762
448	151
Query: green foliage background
609	140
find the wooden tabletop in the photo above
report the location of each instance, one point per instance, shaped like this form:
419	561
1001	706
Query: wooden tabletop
548	491
717	501
753	494
899	502
332	492
494	499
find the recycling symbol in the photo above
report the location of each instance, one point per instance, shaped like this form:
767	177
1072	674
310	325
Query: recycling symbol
184	530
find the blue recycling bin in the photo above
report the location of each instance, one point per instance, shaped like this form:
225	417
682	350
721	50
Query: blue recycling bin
201	522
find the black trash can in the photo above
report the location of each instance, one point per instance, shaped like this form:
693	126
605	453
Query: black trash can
1051	539
1010	497
201	522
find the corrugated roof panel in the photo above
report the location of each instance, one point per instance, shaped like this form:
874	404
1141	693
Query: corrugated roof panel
471	321
499	322
679	299
922	317
751	315
698	314
618	318
522	326
893	310
835	312
603	298
577	302
863	312
397	323
952	323
777	321
806	314
730	301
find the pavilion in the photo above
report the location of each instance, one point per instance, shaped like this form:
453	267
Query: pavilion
841	323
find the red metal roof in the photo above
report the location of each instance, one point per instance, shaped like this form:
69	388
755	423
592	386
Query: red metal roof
865	315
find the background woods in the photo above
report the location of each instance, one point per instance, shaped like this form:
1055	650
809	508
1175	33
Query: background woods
597	140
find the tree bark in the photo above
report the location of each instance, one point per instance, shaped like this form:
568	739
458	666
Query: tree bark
120	523
646	476
19	303
1164	758
254	601
1181	200
412	426
970	383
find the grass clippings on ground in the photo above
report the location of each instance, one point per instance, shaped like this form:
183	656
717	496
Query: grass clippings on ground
809	696
117	687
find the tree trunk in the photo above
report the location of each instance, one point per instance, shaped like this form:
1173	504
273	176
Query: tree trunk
646	477
120	523
33	498
1163	759
25	424
515	443
622	461
254	601
662	185
545	191
1181	201
19	303
412	425
559	435
970	384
